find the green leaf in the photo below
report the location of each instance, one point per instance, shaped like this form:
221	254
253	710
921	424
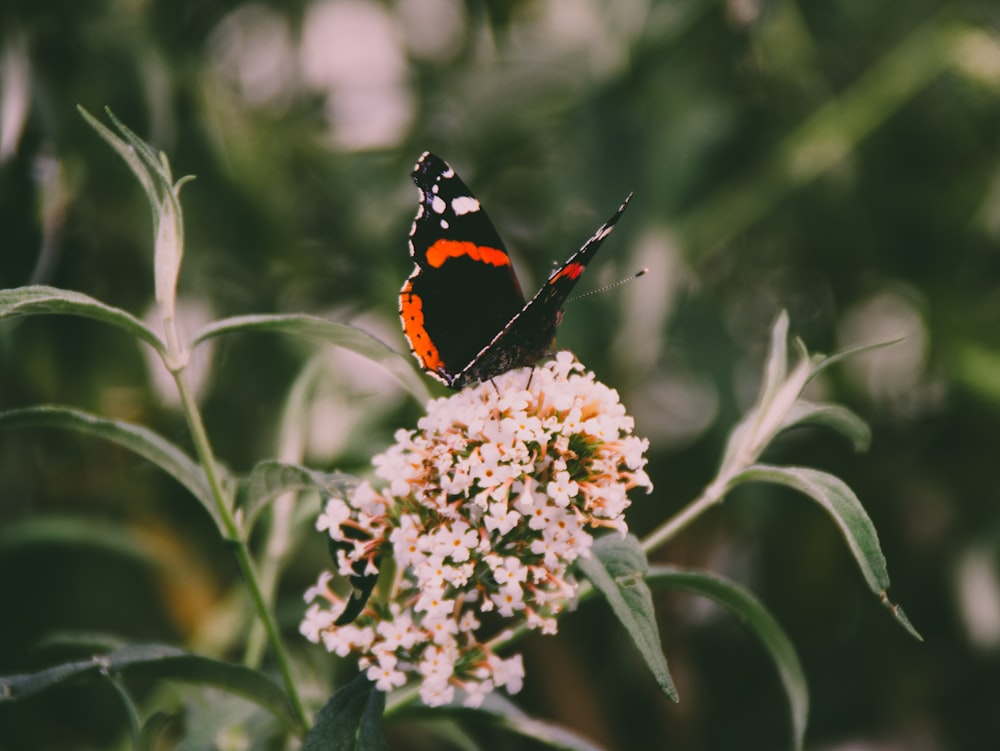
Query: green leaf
616	568
900	616
152	169
779	392
16	687
42	300
834	416
126	152
136	438
338	334
22	685
338	721
776	368
760	621
371	735
822	363
839	500
269	479
161	661
154	161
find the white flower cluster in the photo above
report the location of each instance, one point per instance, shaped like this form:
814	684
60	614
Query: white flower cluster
487	505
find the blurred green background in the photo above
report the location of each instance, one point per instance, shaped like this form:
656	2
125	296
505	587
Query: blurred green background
837	159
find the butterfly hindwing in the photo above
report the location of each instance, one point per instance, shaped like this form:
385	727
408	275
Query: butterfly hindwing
529	336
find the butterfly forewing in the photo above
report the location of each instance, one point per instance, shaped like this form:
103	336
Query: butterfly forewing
463	287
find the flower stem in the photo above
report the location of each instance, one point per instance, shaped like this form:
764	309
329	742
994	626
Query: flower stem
239	547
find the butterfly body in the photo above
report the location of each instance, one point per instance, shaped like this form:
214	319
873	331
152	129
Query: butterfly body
463	311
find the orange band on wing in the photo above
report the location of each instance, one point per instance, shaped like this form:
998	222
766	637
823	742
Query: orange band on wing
573	271
442	250
411	310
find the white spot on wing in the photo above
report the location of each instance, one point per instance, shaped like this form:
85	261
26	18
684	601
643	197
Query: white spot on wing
438	205
464	205
444	224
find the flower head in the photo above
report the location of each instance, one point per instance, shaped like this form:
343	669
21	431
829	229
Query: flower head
484	509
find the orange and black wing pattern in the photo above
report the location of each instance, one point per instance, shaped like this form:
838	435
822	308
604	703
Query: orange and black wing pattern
462	308
463	289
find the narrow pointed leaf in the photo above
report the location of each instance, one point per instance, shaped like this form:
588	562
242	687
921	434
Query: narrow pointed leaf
331	332
769	416
839	500
822	363
132	655
22	685
164	662
616	568
153	160
834	416
371	735
338	721
900	616
168	252
776	368
43	300
843	505
136	438
779	391
760	621
127	153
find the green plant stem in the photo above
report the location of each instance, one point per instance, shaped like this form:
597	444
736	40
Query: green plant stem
134	721
275	550
239	547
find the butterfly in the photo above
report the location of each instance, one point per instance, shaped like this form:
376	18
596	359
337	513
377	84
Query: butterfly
463	312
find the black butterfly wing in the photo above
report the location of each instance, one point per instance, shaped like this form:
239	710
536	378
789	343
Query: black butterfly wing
463	290
529	336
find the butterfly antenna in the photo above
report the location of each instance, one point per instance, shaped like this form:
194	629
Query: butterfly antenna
606	287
